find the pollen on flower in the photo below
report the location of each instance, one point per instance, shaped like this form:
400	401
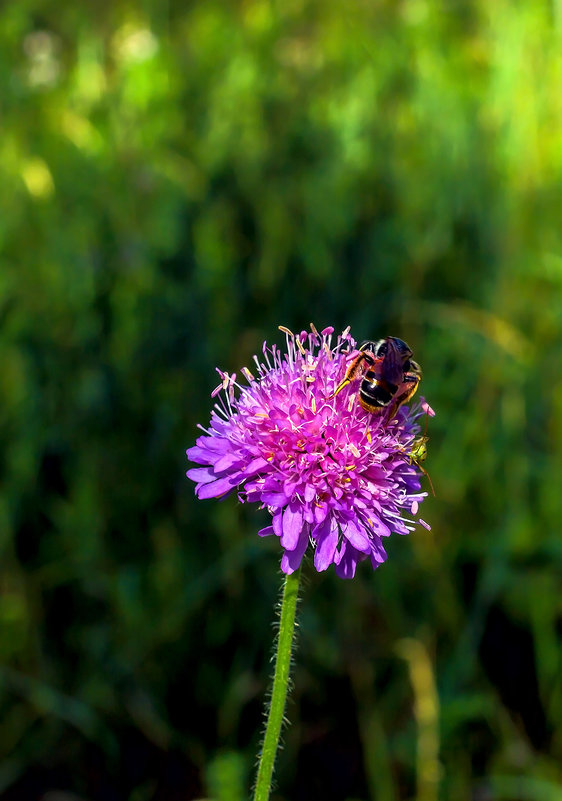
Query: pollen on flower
328	472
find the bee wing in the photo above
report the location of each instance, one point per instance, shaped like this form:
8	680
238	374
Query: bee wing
391	369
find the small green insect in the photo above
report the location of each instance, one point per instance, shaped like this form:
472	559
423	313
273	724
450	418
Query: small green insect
418	454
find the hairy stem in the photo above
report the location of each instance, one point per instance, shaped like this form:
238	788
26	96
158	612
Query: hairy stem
280	687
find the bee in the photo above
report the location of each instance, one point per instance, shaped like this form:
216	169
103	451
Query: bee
389	376
407	389
418	454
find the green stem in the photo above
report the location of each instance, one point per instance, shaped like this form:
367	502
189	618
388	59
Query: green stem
280	687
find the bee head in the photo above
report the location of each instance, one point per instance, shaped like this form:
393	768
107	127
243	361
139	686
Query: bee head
382	346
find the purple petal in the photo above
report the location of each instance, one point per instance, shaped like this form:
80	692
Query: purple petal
216	488
200	455
226	461
292	526
255	466
265	532
348	559
320	512
273	498
357	536
214	444
378	553
308	514
278	523
290	486
309	493
202	475
326	536
379	528
374	562
291	560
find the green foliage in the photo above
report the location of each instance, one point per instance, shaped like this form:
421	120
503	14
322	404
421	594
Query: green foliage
227	777
177	181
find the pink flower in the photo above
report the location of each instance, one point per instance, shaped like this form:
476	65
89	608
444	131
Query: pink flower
329	473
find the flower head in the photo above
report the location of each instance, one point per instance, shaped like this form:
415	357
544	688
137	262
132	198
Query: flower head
329	473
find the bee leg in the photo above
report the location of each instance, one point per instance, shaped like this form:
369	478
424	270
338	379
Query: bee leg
341	386
411	384
350	375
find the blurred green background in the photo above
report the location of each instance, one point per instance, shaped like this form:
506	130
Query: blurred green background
177	180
